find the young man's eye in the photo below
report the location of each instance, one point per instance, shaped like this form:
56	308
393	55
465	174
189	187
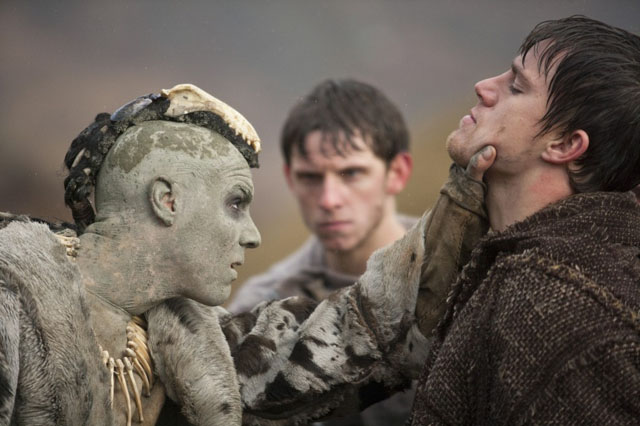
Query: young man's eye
350	173
514	90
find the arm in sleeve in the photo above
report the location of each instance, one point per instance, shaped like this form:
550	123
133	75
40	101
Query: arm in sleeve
457	222
297	360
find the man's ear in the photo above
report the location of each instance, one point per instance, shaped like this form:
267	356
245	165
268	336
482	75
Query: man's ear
163	200
567	149
399	172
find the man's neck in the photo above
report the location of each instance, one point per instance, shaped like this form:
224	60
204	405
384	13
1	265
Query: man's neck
510	201
113	271
354	261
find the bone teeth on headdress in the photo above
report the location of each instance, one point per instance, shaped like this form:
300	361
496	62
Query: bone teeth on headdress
186	98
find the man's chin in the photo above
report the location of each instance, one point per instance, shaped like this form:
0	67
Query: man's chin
456	150
214	292
336	244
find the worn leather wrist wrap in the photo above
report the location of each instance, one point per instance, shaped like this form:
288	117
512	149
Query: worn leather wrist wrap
455	224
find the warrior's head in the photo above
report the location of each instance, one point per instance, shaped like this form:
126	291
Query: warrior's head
173	185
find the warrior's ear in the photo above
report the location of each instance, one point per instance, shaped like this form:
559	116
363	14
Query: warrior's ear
163	200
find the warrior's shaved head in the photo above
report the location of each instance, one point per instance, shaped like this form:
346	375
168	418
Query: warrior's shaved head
184	103
153	149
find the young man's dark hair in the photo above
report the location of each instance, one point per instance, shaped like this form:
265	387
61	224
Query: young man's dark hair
596	87
344	107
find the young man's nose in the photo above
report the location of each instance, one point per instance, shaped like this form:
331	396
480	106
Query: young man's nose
487	92
331	195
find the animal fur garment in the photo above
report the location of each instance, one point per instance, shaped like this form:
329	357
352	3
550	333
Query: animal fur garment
296	360
50	366
195	365
51	370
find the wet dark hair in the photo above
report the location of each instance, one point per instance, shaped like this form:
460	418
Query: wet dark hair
89	149
595	88
342	108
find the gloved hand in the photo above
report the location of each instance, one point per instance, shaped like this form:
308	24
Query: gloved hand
456	223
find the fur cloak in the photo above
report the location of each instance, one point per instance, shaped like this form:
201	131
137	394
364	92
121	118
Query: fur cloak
51	371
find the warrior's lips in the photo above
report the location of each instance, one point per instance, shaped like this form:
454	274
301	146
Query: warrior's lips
233	268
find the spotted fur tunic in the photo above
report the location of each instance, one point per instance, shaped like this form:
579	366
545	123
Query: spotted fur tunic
297	360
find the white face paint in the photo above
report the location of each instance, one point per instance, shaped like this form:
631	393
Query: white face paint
215	228
196	254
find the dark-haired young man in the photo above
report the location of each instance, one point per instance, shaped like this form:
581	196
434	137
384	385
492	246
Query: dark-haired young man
542	326
346	152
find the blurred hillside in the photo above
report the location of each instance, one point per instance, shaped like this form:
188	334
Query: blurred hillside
64	61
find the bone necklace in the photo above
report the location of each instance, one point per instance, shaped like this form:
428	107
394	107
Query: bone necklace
136	359
136	355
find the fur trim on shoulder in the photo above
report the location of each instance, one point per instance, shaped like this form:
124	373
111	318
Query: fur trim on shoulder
62	380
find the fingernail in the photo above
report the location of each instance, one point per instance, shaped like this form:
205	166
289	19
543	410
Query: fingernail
486	152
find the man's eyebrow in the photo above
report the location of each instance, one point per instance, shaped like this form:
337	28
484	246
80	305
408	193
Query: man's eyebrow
306	172
247	193
517	71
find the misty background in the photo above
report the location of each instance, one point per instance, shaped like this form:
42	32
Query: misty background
62	62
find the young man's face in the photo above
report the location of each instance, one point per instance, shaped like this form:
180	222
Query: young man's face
342	198
507	116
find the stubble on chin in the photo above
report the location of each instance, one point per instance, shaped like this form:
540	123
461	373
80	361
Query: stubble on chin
333	243
455	149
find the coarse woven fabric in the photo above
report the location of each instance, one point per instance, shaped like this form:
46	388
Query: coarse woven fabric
543	325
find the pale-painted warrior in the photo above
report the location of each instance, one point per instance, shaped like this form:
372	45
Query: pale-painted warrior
100	327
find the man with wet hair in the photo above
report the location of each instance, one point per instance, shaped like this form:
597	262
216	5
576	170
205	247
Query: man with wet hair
542	325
